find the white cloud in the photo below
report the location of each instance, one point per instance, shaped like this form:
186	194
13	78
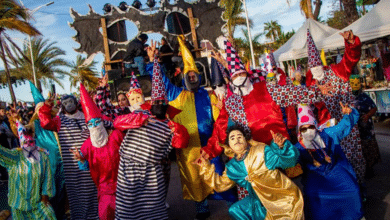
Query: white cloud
42	20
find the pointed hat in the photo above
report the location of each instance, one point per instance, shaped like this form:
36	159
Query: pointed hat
188	60
134	85
306	116
37	96
314	58
235	65
89	107
158	86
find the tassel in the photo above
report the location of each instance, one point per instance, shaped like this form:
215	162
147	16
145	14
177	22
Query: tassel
328	159
316	163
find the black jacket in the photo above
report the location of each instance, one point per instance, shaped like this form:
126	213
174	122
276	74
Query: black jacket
134	49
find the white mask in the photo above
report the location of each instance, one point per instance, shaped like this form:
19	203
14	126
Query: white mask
309	135
136	106
242	85
99	136
318	72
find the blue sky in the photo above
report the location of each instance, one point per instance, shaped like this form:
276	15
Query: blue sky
52	22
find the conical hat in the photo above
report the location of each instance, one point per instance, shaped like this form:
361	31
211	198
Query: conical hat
188	60
89	107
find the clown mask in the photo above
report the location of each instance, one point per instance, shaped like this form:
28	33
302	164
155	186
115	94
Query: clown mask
136	99
355	84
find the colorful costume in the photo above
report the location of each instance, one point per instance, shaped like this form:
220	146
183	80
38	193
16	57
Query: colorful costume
338	75
141	190
49	141
72	131
198	114
103	162
30	178
330	186
272	195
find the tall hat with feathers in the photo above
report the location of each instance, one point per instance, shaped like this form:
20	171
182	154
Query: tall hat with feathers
312	52
235	65
89	107
134	85
188	60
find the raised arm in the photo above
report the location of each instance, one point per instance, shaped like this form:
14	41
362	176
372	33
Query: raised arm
344	127
292	95
47	122
213	179
103	101
351	56
281	156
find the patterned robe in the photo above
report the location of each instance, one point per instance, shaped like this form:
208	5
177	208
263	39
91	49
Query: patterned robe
338	75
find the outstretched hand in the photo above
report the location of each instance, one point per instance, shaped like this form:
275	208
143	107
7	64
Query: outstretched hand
345	109
152	51
279	139
103	81
201	159
218	56
76	154
49	101
348	36
326	89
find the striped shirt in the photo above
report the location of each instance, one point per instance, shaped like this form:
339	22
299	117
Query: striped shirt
27	181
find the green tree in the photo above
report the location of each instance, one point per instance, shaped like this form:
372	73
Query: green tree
283	38
12	17
350	11
272	30
233	15
243	45
306	7
85	74
48	62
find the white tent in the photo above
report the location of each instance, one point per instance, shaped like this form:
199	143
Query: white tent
295	47
375	24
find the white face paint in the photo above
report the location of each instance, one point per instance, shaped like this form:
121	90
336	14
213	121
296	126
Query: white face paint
318	72
99	136
309	135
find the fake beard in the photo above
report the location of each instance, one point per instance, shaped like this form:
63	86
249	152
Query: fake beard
317	72
192	86
159	111
242	86
99	136
135	107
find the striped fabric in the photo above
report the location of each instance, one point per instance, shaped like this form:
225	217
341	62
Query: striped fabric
141	188
27	181
82	193
41	212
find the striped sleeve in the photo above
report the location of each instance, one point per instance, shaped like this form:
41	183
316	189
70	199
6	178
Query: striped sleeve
8	157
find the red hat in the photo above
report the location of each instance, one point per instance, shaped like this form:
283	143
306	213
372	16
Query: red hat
89	107
158	86
312	52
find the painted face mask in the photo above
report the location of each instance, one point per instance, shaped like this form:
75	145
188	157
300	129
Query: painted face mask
355	84
318	72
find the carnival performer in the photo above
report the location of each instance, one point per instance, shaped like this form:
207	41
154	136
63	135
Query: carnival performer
72	131
198	112
367	109
134	97
30	183
338	75
254	166
101	152
48	140
330	187
141	190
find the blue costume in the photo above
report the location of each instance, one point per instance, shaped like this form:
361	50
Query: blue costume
331	190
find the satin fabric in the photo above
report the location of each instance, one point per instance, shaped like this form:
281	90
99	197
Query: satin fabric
272	195
262	113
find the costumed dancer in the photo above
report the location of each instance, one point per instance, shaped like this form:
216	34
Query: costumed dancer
141	191
338	75
49	141
101	152
30	183
330	187
255	107
72	132
134	97
199	111
254	166
367	109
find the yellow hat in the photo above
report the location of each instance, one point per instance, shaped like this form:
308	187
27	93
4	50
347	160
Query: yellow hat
188	60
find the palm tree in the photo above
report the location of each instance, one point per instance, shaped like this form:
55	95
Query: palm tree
83	73
12	17
243	44
232	14
350	10
283	38
272	30
47	61
307	8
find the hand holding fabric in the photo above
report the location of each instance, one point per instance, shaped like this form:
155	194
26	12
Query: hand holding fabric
76	154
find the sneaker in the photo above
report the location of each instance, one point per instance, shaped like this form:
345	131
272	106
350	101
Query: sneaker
202	216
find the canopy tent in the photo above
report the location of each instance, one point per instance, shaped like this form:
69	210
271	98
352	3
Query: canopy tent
374	24
296	48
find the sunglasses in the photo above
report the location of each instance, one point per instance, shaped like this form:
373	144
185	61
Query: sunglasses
94	123
303	130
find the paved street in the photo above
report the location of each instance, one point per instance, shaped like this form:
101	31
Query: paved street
377	205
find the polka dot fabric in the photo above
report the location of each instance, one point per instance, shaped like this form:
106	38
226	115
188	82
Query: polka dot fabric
312	52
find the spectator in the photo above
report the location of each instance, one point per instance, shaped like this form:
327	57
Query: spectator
6	137
135	54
